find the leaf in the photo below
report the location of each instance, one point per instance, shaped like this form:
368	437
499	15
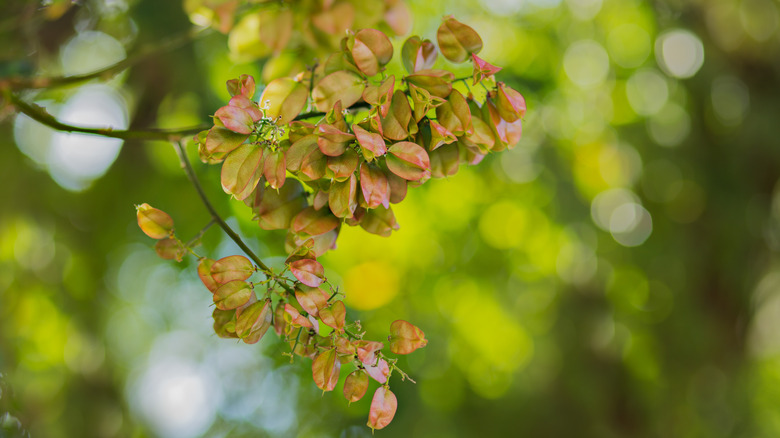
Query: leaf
232	294
355	385
325	370
375	187
482	69
285	98
170	249
334	316
204	272
456	40
244	86
398	187
342	197
312	299
378	371
371	50
340	85
455	115
254	321
344	347
383	407
235	267
223	140
331	141
247	105
314	222
510	103
224	323
380	221
396	125
405	337
440	136
155	223
344	165
366	351
370	142
307	271
482	135
240	174
380	95
279	323
275	169
409	161
417	54
445	161
274	210
436	82
422	101
295	317
235	119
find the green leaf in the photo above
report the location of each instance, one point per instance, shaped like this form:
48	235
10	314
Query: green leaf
275	169
223	140
155	223
371	50
331	141
375	187
383	407
170	249
314	222
204	272
436	82
409	161
253	321
341	85
235	119
511	104
457	41
232	294
235	267
373	144
342	197
224	323
396	125
325	370
405	337
417	54
380	221
275	209
285	98
334	316
355	385
312	299
344	165
241	170
307	271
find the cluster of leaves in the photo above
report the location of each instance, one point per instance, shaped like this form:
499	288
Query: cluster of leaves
311	172
288	32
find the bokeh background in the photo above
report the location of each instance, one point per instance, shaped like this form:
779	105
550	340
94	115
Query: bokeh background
614	275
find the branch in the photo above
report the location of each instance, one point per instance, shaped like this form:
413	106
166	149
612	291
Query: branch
311	114
40	115
27	83
185	164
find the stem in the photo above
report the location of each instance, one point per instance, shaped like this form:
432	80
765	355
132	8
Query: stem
40	115
21	83
185	164
311	114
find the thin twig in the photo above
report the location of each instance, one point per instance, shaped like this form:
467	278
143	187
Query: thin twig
40	115
187	167
28	83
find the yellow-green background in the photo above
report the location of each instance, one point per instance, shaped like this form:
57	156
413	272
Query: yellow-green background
540	322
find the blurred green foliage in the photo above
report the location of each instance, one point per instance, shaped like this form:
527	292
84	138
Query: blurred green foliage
616	274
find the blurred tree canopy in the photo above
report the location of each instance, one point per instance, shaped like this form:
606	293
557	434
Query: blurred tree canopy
615	274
